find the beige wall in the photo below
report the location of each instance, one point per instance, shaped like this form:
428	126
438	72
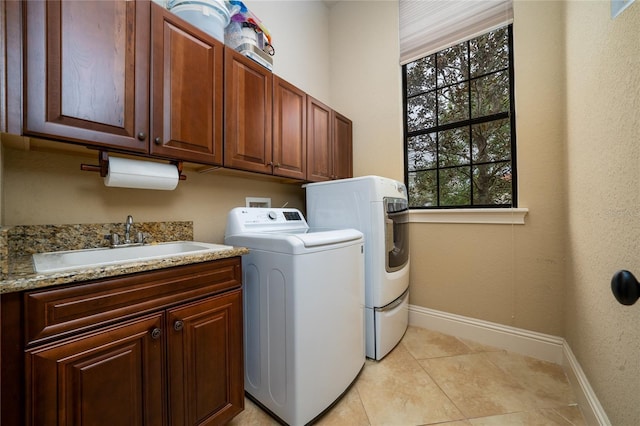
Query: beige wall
50	188
603	170
502	273
512	274
366	83
578	168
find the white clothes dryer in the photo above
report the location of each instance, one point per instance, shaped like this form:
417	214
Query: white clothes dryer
303	310
378	207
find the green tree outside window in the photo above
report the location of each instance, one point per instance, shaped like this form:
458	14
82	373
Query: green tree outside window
460	125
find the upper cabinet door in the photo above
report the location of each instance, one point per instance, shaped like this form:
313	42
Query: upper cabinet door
186	94
319	141
342	146
248	97
87	72
329	143
289	130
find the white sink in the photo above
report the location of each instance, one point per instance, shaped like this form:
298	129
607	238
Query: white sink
76	259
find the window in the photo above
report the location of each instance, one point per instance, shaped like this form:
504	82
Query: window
460	125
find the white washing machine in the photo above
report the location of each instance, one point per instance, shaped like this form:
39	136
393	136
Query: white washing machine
303	310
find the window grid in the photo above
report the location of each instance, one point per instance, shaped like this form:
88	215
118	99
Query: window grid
467	123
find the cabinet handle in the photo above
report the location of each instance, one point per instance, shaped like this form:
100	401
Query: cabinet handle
157	141
178	325
156	333
277	165
142	136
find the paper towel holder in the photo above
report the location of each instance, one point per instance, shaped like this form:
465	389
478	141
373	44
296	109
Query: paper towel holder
103	166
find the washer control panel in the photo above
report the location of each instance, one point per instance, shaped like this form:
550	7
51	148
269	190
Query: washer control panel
242	219
296	215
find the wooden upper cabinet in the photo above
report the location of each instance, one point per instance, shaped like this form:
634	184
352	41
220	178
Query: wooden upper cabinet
319	137
329	140
133	77
186	95
342	146
248	108
289	130
11	67
87	72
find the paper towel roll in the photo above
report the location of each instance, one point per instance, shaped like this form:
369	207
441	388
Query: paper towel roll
125	173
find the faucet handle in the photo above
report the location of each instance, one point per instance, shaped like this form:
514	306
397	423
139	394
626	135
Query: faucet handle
141	238
114	239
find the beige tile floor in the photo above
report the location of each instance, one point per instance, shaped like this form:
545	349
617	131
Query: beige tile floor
432	378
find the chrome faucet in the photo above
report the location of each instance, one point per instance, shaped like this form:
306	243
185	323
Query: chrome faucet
115	240
127	229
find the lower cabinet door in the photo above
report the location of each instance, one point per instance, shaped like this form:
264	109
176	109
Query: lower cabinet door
205	359
113	376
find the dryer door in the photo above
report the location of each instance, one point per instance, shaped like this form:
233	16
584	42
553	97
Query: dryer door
396	233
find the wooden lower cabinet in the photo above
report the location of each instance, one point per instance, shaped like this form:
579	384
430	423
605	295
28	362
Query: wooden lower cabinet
206	379
152	348
110	377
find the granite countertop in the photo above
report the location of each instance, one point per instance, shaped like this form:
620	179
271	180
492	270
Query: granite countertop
18	243
22	276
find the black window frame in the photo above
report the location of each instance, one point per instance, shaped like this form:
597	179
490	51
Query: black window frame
465	124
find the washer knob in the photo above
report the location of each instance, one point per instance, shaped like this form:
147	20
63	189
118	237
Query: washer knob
272	215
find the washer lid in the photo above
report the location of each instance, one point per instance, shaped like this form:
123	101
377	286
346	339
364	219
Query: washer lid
296	241
322	237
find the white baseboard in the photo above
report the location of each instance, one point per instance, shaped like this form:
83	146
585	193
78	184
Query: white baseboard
530	343
524	342
592	411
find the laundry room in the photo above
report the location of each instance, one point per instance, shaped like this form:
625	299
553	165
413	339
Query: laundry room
517	272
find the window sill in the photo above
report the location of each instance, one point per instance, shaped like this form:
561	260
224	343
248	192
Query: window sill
486	216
